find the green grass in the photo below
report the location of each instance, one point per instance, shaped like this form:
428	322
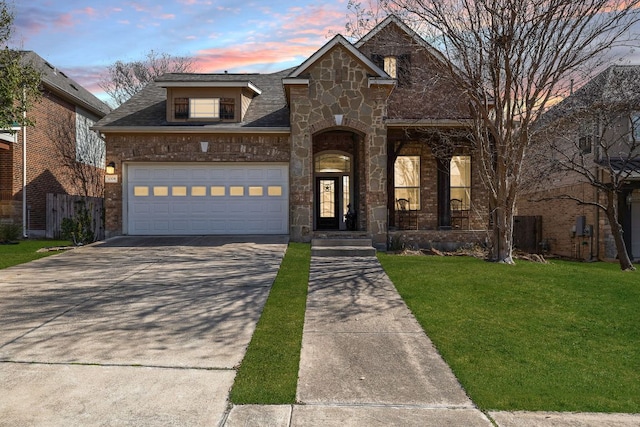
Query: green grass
26	250
269	372
561	337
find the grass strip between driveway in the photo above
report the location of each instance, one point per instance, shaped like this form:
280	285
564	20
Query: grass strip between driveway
26	250
269	371
562	336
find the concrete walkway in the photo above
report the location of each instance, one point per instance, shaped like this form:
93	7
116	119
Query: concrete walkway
365	361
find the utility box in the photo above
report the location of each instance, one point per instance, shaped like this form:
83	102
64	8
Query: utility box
581	222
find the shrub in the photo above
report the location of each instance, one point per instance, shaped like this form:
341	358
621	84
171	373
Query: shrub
10	232
79	228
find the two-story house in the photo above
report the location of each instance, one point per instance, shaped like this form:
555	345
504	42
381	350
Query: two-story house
369	128
30	163
587	144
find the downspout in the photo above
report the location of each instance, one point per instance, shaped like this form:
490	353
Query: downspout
24	166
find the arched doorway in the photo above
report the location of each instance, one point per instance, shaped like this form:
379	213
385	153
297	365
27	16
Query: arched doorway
333	175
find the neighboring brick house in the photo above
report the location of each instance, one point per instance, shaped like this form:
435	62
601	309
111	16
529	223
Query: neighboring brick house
595	130
287	153
63	103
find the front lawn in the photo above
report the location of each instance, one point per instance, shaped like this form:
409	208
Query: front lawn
558	337
26	250
269	371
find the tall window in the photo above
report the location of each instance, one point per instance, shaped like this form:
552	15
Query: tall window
460	180
587	135
391	66
407	180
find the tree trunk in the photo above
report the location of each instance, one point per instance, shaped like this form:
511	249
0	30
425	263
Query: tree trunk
502	234
617	232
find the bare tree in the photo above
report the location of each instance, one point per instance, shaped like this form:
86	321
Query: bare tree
593	137
125	79
80	151
512	59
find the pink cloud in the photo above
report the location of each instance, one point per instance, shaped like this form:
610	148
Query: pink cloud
250	55
89	11
64	21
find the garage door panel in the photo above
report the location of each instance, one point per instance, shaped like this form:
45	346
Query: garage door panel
207	199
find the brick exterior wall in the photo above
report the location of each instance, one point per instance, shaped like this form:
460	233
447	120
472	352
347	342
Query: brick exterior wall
427	216
125	148
45	173
559	218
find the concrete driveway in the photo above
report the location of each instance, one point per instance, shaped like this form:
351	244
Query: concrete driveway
133	331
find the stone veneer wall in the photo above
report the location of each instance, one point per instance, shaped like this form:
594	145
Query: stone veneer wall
123	148
338	85
443	240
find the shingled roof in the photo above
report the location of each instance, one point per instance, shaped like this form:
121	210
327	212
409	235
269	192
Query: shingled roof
616	87
147	108
57	81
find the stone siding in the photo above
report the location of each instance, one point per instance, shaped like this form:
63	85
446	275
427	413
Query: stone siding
442	240
338	85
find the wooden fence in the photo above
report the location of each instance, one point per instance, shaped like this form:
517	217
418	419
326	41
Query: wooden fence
61	206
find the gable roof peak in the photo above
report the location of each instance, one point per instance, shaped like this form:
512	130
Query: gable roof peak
337	40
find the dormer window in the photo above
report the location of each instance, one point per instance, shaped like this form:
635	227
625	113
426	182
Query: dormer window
204	108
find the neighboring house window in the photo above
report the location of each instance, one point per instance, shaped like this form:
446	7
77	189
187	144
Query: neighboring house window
587	135
397	67
90	148
460	180
204	108
407	180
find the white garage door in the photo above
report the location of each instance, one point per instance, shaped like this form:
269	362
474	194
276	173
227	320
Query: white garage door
222	198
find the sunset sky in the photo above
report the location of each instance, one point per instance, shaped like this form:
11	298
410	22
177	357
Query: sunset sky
83	37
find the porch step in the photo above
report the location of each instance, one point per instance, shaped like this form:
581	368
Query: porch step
342	247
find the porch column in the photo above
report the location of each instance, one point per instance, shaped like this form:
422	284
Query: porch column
444	194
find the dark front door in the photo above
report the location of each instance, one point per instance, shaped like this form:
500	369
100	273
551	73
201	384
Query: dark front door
327	203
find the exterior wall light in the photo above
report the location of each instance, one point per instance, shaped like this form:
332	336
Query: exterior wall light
204	146
111	168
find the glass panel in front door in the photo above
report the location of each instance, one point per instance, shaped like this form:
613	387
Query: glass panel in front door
327	198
